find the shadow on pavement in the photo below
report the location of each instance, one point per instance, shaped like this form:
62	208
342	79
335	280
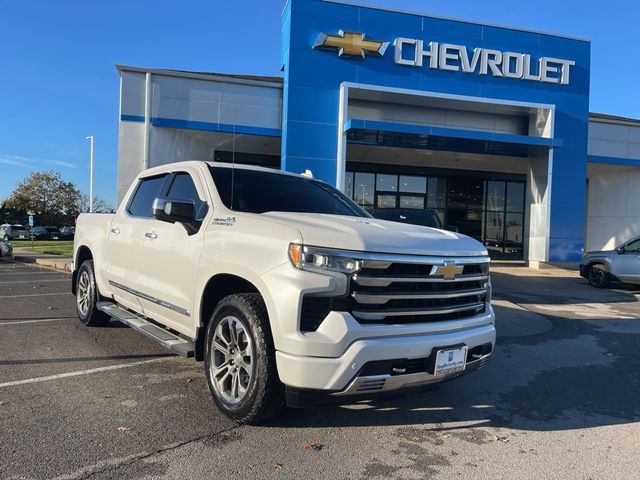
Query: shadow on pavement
521	388
557	290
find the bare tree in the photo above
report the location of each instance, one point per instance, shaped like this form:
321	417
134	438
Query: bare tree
99	205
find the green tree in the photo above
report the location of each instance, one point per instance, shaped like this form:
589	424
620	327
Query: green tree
54	201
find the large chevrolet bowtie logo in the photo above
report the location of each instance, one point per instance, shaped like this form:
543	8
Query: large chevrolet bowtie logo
449	271
351	44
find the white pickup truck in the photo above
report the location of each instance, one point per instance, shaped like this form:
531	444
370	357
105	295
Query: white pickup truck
287	290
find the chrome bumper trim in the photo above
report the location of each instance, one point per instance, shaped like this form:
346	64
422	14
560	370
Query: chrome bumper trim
387	383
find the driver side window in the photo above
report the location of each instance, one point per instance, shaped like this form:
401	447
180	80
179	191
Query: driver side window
633	247
183	188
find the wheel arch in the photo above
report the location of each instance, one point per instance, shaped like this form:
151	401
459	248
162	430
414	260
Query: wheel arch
82	255
600	261
216	288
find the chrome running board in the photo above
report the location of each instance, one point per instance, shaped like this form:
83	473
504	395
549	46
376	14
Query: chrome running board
173	342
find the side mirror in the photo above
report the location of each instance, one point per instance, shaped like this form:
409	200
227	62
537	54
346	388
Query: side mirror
172	211
620	250
452	228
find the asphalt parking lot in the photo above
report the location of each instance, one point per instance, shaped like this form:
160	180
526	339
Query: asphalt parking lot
560	399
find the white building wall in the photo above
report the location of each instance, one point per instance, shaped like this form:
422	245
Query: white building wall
216	102
421	115
130	154
613	205
170	145
204	103
610	139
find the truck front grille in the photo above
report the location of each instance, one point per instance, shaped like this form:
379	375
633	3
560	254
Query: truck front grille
402	290
414	292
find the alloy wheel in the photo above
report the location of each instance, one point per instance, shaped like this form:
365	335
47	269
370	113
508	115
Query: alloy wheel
84	293
597	276
232	362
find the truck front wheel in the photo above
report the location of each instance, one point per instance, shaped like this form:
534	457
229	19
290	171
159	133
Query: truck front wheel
87	297
240	363
598	277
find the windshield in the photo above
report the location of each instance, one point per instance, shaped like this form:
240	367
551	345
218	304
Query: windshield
256	191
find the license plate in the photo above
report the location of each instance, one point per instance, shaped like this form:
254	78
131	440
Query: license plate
54	238
450	360
21	236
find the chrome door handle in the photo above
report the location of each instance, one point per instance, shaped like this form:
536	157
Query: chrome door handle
151	234
115	231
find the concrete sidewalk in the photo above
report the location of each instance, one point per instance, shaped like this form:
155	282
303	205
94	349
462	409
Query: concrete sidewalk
43	259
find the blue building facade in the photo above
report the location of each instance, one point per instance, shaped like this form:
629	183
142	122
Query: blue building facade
315	80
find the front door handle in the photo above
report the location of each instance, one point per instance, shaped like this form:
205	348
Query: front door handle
115	231
151	234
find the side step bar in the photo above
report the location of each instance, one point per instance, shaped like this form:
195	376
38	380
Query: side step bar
176	344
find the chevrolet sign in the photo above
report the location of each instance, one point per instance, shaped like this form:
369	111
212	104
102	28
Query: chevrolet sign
483	61
451	57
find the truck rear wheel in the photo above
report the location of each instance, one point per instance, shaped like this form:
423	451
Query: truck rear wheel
87	297
240	363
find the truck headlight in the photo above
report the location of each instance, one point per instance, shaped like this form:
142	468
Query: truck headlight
319	259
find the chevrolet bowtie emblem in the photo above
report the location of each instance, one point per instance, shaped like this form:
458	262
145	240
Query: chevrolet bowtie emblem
351	44
449	270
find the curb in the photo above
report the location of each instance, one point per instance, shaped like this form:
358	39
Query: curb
59	264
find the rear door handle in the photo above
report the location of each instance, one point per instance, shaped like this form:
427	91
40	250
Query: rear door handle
115	231
151	234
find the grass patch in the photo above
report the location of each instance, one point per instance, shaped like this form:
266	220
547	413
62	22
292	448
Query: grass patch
63	248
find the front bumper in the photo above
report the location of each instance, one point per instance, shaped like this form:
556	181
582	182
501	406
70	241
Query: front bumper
584	271
346	375
369	386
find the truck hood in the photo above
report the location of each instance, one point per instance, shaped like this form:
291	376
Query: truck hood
374	235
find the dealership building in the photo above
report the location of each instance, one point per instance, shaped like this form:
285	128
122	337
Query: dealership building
488	126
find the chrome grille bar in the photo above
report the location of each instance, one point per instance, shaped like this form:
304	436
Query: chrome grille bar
369	281
381	298
404	312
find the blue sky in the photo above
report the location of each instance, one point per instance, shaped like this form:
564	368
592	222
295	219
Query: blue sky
58	82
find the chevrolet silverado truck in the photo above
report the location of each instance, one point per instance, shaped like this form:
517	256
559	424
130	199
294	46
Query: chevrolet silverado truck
287	290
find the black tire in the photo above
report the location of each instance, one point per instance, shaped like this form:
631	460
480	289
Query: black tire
263	396
598	276
87	297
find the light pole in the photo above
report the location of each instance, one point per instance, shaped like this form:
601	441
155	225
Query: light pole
90	138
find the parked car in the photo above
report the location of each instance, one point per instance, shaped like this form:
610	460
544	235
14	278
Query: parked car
621	264
6	248
287	290
425	218
67	233
45	233
14	232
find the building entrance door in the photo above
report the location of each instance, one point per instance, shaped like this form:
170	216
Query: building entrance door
489	210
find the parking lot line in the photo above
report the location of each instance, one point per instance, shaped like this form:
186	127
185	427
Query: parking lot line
33	272
35	295
37	281
81	372
22	322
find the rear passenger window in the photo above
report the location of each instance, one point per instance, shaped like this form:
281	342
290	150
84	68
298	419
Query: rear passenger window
146	193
